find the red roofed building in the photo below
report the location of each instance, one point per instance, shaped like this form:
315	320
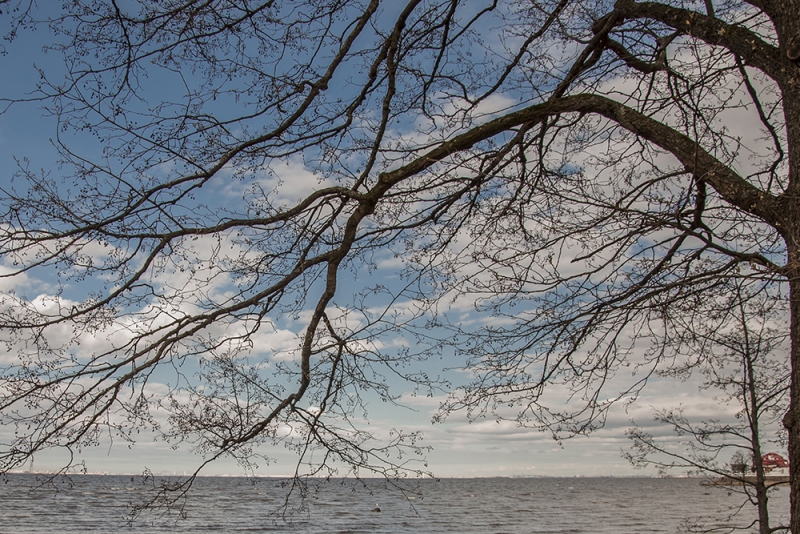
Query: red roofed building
775	464
772	459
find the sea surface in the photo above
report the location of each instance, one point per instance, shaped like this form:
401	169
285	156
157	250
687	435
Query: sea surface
103	503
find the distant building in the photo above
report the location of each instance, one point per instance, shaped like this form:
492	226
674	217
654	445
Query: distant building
775	465
776	471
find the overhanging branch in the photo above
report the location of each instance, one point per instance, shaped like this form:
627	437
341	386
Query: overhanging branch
725	181
739	40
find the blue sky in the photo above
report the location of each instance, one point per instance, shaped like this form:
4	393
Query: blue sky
484	447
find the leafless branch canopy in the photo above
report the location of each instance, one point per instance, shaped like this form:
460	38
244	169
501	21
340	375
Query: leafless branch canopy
529	190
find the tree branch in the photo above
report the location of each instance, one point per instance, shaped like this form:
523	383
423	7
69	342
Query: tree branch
739	40
730	185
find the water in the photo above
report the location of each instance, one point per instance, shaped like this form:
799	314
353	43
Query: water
489	505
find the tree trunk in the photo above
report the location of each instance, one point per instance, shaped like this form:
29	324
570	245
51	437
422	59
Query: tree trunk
785	14
792	419
750	396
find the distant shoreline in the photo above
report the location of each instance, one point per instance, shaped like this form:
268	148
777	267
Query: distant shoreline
750	479
284	477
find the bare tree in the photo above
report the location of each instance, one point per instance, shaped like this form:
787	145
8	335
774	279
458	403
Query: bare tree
571	172
740	354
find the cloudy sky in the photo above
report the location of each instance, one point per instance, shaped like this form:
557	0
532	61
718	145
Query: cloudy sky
484	447
459	448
